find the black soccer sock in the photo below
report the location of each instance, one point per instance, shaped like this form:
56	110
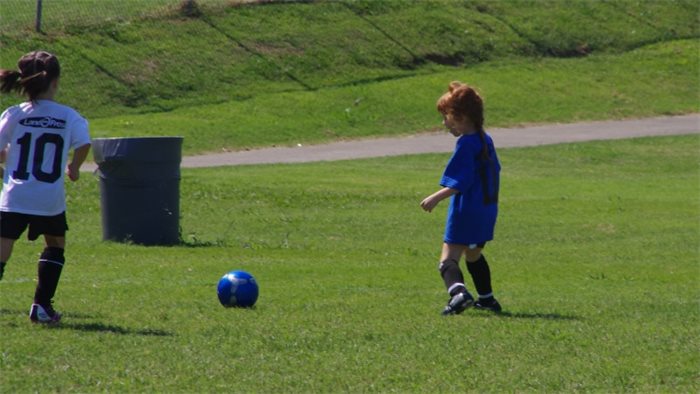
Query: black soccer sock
452	276
2	269
49	272
481	275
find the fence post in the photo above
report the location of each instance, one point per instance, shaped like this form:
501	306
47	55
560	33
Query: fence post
38	16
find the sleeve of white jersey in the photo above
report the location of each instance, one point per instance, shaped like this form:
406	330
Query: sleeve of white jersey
79	135
6	129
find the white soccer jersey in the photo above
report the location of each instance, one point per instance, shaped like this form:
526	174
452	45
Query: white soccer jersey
40	136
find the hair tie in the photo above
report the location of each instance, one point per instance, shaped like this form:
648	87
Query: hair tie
23	80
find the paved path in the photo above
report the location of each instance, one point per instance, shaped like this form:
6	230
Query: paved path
443	142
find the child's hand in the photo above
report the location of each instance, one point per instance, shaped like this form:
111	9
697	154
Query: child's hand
429	203
73	173
434	199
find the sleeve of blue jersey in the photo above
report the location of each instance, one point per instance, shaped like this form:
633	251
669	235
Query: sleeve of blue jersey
459	172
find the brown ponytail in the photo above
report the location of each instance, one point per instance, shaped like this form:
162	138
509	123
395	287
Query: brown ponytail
36	72
462	100
9	81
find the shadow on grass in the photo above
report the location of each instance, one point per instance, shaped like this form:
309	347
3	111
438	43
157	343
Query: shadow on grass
111	329
4	311
543	316
194	242
72	315
90	327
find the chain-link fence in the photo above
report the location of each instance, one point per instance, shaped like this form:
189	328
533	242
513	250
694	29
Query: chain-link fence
55	16
141	56
137	56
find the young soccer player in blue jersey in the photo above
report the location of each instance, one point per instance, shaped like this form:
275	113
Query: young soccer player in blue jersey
35	140
471	179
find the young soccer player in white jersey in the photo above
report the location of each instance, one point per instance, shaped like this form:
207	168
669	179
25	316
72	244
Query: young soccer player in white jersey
471	179
36	137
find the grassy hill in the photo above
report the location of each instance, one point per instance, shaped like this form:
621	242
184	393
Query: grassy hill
227	56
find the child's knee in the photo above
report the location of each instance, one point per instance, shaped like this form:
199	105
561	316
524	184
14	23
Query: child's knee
473	255
54	241
53	255
447	264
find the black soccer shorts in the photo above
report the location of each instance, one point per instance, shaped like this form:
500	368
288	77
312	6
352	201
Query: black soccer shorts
13	224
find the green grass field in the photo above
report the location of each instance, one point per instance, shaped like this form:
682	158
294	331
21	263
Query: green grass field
595	261
284	73
596	252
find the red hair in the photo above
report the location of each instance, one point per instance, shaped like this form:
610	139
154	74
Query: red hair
462	101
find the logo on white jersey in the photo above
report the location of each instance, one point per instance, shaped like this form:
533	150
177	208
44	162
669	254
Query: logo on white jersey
44	122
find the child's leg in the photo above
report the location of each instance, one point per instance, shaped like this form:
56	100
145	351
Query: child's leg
449	268
12	225
6	245
460	299
479	270
49	269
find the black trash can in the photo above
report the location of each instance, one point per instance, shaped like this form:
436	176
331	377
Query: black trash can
139	189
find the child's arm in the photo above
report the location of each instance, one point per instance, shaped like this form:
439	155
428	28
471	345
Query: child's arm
432	200
3	157
79	156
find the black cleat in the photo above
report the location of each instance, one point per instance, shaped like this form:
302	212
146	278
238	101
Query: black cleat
44	314
488	304
458	303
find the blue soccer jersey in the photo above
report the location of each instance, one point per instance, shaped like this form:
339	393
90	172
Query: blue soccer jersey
471	217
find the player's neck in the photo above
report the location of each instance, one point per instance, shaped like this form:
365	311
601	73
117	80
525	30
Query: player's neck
469	128
50	92
48	95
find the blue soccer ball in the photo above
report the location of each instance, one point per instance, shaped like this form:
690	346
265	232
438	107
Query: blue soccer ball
237	289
